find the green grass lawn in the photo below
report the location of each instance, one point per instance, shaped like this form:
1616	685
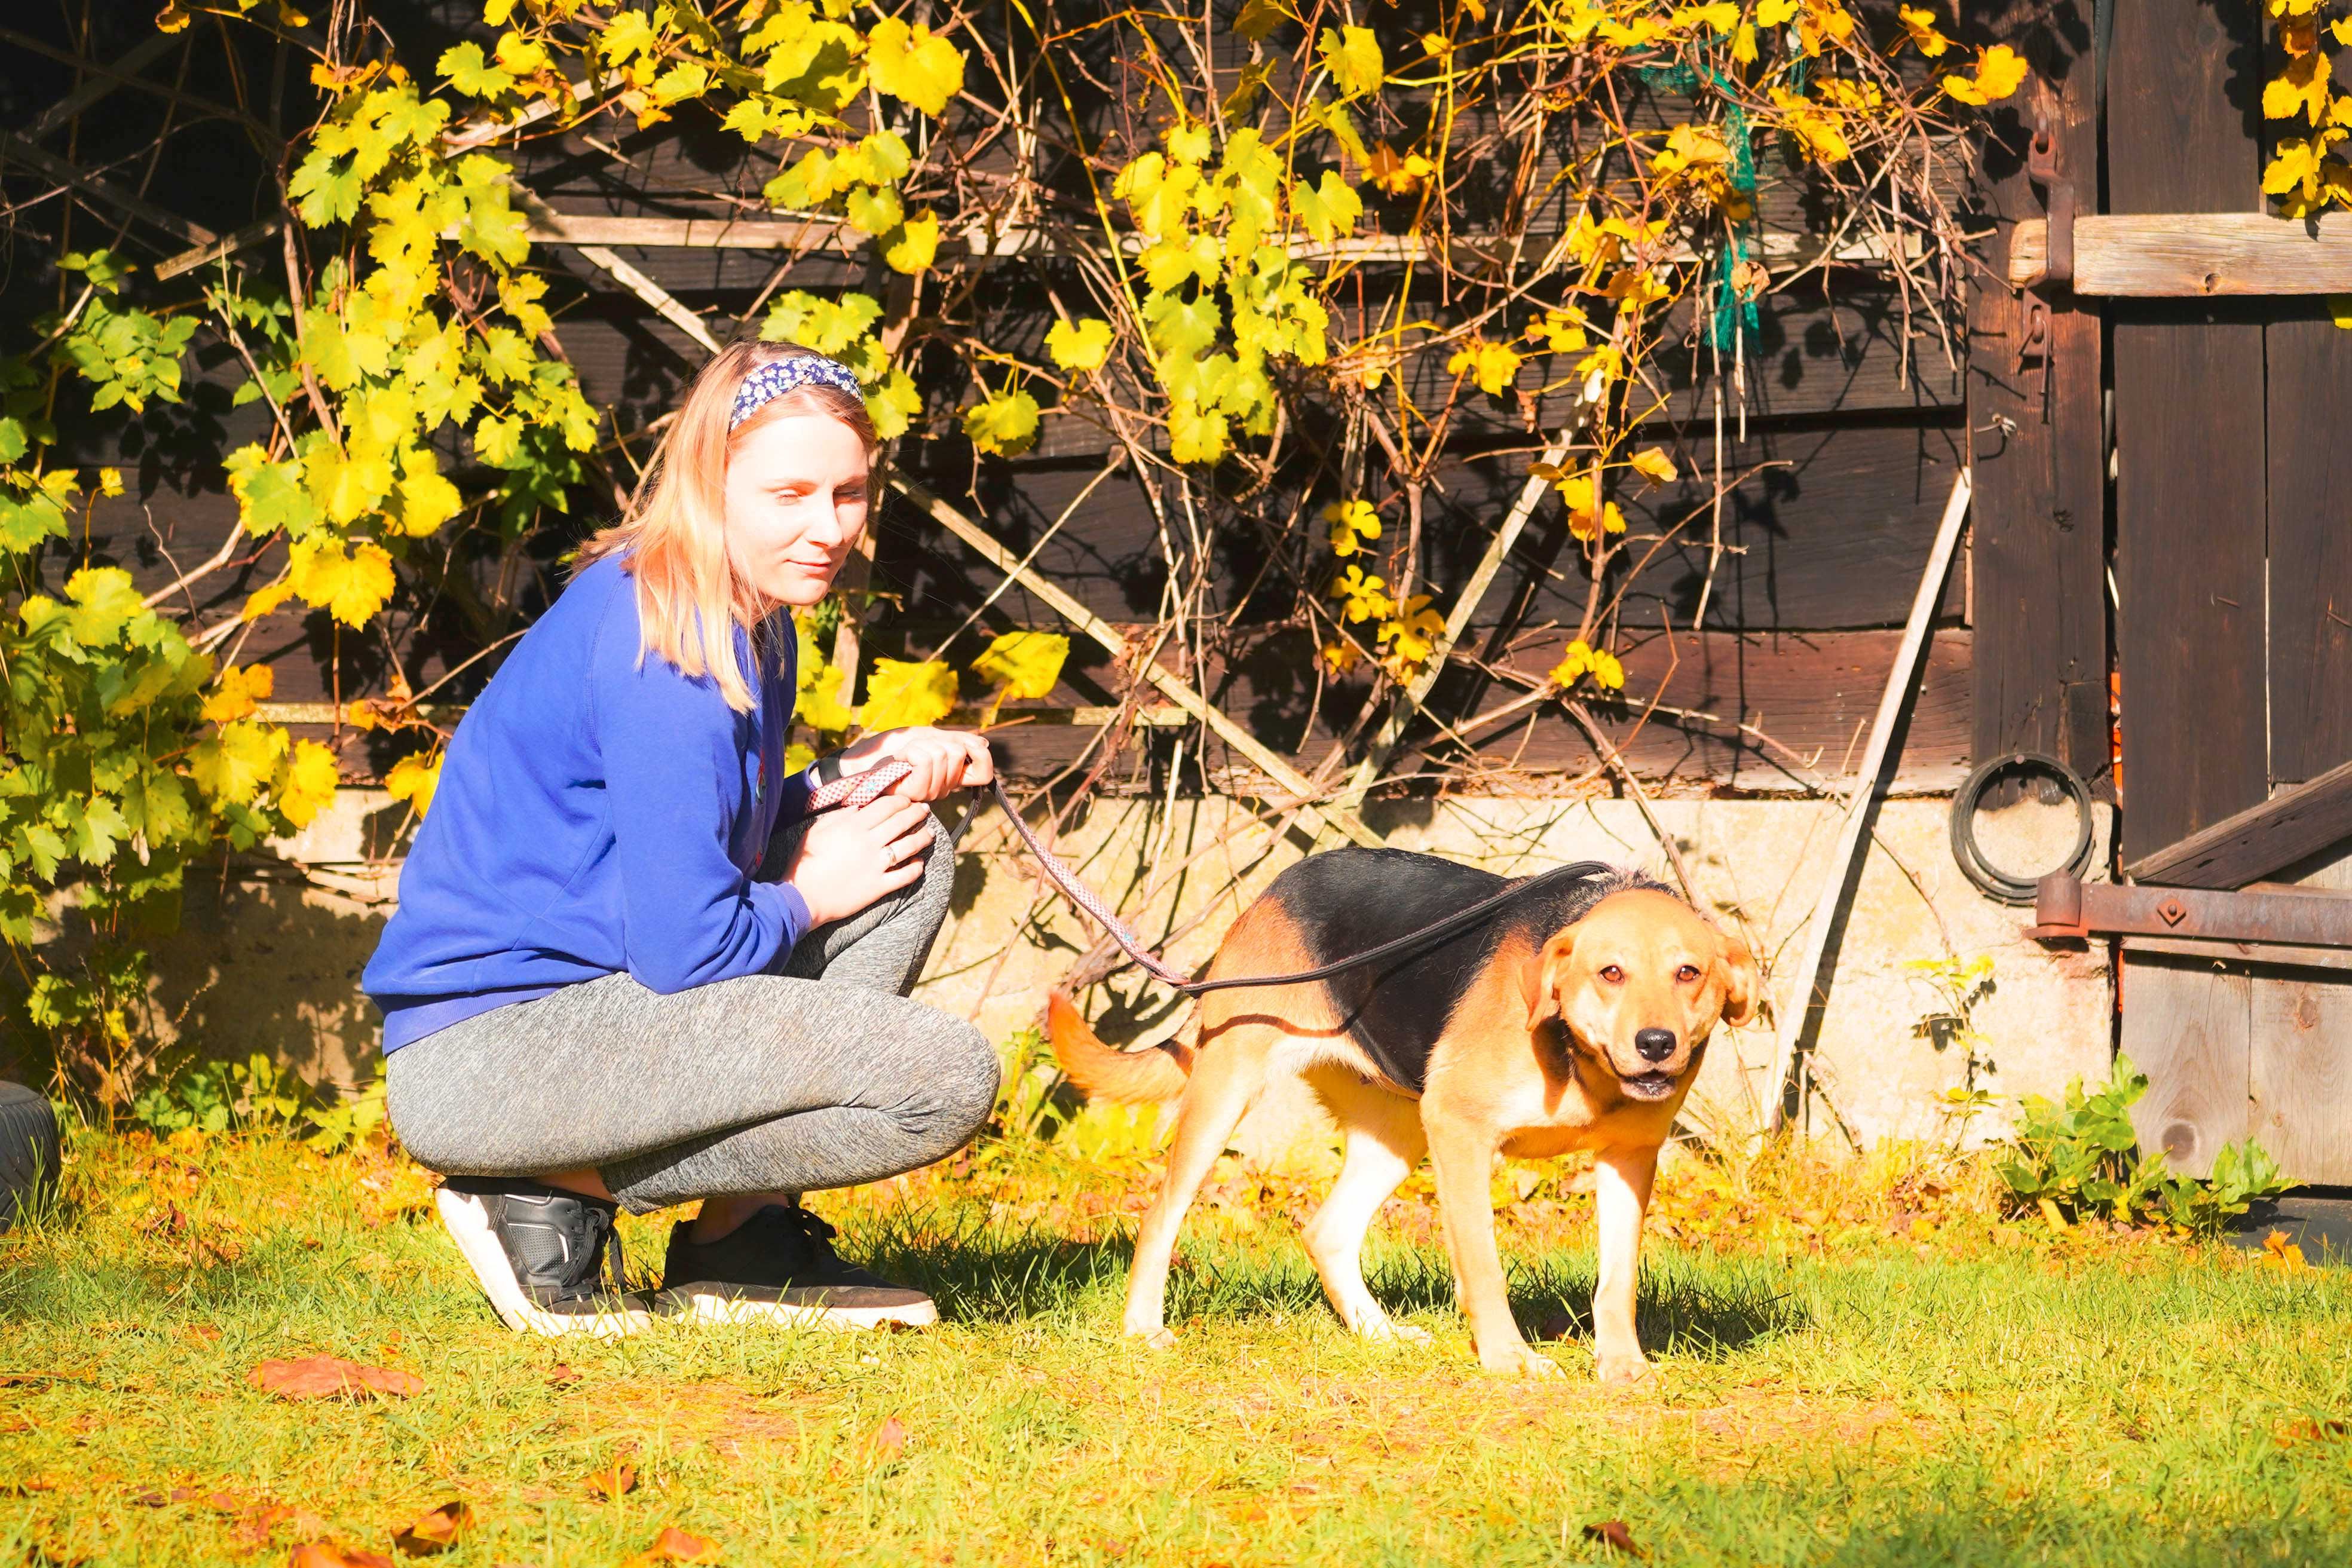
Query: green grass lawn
1852	1371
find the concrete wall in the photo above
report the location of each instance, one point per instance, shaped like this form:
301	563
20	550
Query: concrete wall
270	959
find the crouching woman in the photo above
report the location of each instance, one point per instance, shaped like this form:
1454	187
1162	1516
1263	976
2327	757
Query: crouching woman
629	968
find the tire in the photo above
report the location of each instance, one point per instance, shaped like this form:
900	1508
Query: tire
28	1149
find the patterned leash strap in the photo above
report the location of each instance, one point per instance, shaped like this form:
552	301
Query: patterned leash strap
860	789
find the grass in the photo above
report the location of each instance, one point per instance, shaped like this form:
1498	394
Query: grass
1859	1366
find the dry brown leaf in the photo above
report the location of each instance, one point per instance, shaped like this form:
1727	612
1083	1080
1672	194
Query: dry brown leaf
615	1480
889	1440
563	1376
434	1530
675	1545
335	1555
259	1524
1613	1533
327	1377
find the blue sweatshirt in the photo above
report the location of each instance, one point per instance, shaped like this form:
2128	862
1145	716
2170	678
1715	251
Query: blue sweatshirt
594	815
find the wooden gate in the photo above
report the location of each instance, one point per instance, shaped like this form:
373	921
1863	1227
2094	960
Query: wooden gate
2231	590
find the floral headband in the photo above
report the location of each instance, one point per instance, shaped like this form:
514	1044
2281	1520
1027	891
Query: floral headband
773	380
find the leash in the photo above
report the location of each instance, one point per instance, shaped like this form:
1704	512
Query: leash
863	789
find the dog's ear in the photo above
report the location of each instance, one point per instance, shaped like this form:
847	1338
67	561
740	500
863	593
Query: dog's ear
1539	976
1743	986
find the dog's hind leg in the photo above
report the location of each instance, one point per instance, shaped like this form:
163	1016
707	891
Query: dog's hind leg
1385	1142
1227	1077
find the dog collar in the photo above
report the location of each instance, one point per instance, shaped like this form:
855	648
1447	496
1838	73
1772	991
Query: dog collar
771	381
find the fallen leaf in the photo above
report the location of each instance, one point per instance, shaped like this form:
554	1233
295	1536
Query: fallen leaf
1613	1533
675	1545
335	1555
253	1531
563	1376
434	1530
889	1440
327	1377
614	1482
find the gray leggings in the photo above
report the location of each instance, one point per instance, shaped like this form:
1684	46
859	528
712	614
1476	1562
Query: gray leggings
822	1076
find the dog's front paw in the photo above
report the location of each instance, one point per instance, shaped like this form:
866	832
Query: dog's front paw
1158	1336
1624	1369
1519	1361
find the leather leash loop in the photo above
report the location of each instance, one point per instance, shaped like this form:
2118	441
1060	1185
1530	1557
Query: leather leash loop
861	789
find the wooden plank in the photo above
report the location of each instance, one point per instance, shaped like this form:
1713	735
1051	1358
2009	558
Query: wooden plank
2310	386
2174	255
2189	434
2257	841
2189	1025
2299	1072
1802	991
2038	533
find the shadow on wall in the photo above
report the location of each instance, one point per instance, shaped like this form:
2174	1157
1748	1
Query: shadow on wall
264	962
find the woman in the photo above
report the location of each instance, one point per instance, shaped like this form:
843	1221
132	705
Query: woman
628	969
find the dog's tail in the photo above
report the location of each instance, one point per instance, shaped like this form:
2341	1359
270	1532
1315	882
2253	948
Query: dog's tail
1130	1078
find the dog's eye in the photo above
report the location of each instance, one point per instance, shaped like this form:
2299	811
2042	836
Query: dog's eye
1687	974
1612	973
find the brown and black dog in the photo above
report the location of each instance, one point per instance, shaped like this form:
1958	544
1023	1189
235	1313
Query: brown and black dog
1573	1019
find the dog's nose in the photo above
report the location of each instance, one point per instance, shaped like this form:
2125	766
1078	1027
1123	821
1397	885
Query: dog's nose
1655	1045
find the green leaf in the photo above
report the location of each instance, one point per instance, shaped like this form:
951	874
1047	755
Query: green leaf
104	604
893	404
12	440
233	765
271	495
1328	209
463	68
912	64
1082	344
1005	423
874	210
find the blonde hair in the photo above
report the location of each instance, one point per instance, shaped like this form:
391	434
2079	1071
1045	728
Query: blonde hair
673	540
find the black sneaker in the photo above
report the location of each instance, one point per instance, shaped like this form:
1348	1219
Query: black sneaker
541	1253
778	1267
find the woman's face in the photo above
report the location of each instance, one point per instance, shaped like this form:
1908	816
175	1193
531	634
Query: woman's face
796	500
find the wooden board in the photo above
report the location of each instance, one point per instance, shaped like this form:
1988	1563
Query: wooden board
2310	380
2188	1025
2299	1074
2304	821
2172	256
2189	516
2038	529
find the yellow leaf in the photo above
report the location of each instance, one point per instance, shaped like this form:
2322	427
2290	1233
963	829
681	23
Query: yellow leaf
912	245
1082	344
1919	28
1607	672
266	600
1574	661
1363	595
233	765
1341	656
1654	465
237	691
817	702
2302	87
911	64
902	693
1352	522
2339	309
1494	366
414	779
308	783
1025	664
1999	71
352	588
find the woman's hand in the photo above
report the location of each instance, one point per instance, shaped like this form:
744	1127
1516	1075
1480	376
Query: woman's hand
940	759
852	857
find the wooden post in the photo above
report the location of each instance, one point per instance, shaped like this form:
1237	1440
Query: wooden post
2037	525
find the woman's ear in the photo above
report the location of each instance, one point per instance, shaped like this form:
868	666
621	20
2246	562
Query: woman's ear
1539	976
1743	986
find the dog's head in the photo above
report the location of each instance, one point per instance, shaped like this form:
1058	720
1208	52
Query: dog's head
1638	982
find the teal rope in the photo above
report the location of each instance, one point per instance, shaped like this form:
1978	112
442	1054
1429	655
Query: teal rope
1733	319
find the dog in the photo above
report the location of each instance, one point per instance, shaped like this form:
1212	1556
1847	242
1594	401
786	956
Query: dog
1574	1017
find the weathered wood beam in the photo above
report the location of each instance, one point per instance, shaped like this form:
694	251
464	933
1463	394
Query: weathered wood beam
2171	255
1084	716
2257	841
1173	687
17	149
